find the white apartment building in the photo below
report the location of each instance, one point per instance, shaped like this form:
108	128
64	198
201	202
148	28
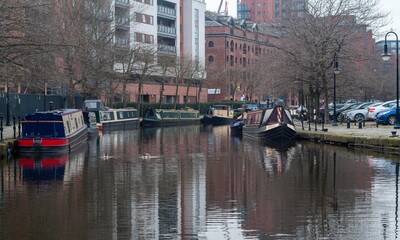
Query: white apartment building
173	27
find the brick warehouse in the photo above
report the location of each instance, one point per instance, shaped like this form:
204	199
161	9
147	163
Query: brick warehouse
231	45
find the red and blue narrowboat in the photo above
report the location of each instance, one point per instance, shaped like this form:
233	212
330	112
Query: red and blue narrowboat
52	131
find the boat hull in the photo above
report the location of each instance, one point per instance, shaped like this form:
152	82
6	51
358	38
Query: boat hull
237	127
119	125
52	145
168	122
216	120
276	132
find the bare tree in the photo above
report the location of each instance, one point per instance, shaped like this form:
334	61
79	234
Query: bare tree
311	40
145	68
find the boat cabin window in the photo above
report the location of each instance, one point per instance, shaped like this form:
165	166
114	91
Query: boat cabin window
92	105
188	115
170	115
254	118
43	129
222	107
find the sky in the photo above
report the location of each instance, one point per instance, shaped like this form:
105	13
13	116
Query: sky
391	6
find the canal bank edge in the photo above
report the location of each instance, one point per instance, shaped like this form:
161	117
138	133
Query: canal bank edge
379	144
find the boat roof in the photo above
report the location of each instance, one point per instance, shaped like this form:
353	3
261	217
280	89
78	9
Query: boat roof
49	115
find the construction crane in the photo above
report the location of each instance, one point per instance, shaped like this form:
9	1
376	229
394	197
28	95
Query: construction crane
220	5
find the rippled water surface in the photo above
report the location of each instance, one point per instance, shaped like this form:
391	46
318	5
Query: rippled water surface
199	183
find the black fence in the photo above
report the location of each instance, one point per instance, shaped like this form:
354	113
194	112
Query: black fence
12	104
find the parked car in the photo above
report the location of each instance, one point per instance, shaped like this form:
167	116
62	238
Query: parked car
344	108
357	114
372	111
338	106
386	117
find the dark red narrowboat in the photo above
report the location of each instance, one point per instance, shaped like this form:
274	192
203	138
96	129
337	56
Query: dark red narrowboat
52	131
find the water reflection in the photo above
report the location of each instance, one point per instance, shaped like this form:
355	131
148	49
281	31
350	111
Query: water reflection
205	184
43	168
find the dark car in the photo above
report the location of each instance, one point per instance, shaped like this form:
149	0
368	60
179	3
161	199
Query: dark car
344	108
340	107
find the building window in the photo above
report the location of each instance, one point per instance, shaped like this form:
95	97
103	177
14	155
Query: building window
149	2
210	44
144	18
144	38
232	44
211	58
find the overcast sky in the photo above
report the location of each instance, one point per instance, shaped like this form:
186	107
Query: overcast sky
393	6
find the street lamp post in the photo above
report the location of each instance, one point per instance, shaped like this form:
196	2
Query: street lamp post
386	57
8	106
336	70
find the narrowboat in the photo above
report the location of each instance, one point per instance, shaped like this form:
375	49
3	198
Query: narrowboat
274	124
218	115
112	119
169	117
52	131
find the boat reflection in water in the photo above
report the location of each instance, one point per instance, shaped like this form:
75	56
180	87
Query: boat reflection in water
52	167
277	156
43	167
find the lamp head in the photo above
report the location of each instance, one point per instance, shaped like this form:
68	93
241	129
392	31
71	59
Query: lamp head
386	55
337	71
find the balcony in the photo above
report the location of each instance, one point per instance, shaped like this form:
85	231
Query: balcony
166	12
122	42
166	49
166	31
122	22
122	3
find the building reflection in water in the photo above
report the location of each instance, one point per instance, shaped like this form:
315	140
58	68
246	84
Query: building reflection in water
201	184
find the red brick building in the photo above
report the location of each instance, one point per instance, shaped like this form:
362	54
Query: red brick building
231	46
268	11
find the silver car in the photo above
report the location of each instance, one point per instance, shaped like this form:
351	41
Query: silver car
372	111
360	113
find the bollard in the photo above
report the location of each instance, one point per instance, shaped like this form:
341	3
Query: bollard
377	124
363	123
360	125
355	123
348	124
19	125
14	126
315	125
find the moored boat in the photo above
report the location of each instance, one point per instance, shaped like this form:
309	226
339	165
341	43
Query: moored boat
90	121
218	115
274	124
170	117
52	131
239	120
112	119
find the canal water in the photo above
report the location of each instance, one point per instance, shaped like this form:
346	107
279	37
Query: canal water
199	182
